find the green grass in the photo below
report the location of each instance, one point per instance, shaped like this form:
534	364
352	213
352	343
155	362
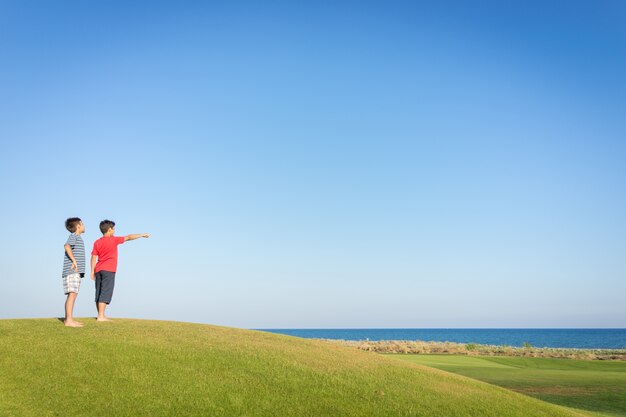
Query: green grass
598	386
151	368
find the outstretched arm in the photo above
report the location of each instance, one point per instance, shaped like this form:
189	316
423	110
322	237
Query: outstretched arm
133	237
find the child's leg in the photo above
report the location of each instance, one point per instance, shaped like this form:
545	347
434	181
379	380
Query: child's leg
101	307
71	285
105	282
69	309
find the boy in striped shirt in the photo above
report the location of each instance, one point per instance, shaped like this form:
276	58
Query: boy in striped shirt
73	267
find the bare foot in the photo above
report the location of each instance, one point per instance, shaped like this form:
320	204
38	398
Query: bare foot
103	319
72	323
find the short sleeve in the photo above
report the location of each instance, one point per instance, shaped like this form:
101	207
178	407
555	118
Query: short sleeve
71	240
119	240
94	252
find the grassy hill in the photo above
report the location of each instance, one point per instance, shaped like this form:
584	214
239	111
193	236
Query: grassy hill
589	385
152	368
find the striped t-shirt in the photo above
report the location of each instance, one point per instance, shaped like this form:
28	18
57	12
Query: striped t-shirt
78	249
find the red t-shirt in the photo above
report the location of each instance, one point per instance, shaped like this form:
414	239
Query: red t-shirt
105	249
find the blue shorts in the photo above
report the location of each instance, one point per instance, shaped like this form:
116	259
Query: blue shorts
105	282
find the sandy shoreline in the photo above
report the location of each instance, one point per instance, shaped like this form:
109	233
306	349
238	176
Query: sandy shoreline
422	347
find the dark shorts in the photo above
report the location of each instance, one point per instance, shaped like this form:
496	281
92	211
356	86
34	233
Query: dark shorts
105	281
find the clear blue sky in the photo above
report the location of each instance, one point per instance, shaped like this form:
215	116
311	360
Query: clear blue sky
334	164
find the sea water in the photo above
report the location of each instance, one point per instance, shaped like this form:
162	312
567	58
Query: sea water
556	338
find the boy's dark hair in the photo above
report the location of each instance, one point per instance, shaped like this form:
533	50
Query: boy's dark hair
72	223
105	225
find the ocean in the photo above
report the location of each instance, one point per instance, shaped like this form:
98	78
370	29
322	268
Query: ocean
556	338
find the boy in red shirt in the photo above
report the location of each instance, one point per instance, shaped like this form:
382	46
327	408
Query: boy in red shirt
105	251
